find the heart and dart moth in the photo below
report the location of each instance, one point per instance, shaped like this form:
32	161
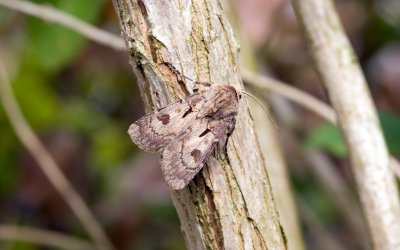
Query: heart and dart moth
187	131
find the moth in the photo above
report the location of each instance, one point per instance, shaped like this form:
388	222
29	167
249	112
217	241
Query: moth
187	131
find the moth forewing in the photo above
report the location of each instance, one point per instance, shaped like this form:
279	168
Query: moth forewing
155	131
187	131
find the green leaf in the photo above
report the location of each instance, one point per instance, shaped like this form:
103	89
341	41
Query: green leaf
110	147
54	46
20	245
391	128
110	142
80	117
329	138
316	197
37	100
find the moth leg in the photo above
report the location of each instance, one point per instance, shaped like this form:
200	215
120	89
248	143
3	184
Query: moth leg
217	127
230	129
231	126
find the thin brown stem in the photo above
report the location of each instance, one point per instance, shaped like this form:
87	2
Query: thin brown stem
53	15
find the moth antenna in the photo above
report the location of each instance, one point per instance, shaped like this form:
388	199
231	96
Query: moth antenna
190	79
262	106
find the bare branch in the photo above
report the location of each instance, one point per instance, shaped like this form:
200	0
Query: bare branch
342	77
300	97
43	237
53	15
47	163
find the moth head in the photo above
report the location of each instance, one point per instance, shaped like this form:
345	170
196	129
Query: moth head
238	92
234	92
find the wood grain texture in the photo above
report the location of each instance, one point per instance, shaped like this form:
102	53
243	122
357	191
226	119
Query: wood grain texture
230	204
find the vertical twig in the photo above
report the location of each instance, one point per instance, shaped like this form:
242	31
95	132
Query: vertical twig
348	92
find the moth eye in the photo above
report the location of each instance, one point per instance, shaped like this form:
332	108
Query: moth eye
240	96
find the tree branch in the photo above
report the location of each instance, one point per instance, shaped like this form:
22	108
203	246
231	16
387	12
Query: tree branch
64	19
229	204
342	77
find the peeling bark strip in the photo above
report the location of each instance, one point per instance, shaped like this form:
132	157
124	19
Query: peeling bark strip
342	77
229	205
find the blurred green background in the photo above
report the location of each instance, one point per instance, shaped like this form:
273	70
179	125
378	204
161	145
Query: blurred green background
80	97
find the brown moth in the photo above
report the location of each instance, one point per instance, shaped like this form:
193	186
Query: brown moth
187	131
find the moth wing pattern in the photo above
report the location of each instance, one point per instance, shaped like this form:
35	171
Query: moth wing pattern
184	157
156	130
187	131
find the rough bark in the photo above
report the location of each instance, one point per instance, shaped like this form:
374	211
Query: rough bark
229	204
270	147
346	86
